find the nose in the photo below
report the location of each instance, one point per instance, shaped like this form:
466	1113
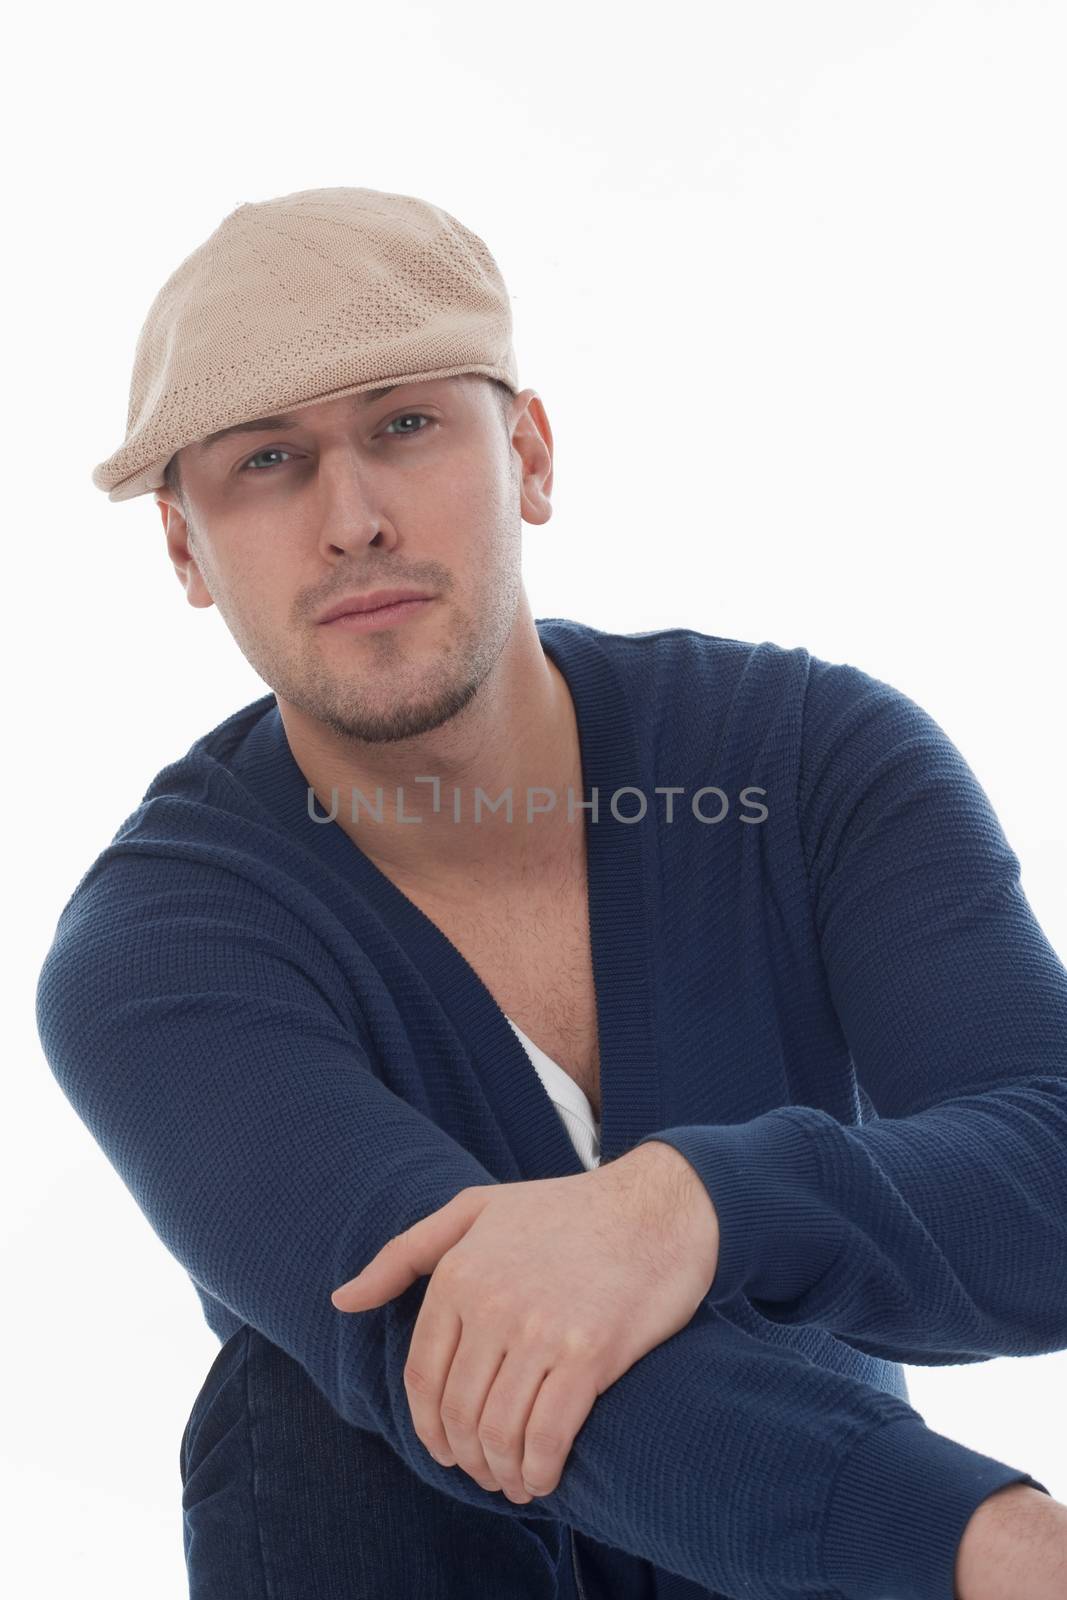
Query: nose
351	514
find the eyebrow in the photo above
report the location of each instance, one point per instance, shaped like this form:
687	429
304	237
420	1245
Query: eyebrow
289	419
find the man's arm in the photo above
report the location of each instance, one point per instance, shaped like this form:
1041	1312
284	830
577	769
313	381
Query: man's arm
201	1036
1014	1548
937	1233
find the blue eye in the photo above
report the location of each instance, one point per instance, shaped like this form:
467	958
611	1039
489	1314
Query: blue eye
275	450
272	450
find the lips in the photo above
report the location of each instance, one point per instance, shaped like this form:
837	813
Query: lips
376	601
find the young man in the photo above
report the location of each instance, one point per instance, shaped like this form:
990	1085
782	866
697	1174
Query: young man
574	1068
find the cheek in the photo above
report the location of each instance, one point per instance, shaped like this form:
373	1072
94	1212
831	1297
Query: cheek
258	572
247	596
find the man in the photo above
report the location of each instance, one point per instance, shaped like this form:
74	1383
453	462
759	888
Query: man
627	1324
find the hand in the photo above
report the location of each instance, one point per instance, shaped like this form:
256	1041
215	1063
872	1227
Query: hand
541	1295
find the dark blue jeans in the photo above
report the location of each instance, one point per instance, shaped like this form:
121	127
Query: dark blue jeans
284	1500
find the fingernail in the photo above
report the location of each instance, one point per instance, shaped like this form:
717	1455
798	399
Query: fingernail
443	1461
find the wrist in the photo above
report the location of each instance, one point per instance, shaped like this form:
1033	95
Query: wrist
674	1178
687	1216
1015	1544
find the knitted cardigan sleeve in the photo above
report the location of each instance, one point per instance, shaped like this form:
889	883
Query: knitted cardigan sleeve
937	1232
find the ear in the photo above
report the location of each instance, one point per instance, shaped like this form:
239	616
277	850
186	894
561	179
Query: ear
176	532
532	439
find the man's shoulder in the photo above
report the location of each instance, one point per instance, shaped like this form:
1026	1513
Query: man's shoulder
667	643
657	656
681	670
647	641
218	750
196	809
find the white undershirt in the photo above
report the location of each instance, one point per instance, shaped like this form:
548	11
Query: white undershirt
569	1100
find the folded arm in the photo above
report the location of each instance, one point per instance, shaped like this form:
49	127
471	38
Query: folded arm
209	1055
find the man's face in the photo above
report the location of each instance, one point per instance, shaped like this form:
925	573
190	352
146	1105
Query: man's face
420	487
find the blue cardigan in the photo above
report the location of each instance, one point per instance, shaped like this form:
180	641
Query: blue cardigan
820	980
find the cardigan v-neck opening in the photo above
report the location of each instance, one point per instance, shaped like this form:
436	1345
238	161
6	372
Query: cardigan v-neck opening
619	869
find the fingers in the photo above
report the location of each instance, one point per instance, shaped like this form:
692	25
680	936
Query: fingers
508	1420
470	1380
434	1340
563	1402
501	1429
470	1400
507	1417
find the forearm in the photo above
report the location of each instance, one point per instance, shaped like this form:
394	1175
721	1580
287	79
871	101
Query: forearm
1015	1545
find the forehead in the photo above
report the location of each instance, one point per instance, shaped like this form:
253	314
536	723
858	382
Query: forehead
303	415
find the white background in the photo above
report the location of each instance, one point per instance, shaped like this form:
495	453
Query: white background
789	281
